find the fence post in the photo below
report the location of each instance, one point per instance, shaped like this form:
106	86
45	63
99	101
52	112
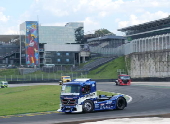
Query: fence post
17	77
42	76
72	75
5	77
11	77
35	77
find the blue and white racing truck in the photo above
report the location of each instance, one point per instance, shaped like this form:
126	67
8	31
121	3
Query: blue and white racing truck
80	96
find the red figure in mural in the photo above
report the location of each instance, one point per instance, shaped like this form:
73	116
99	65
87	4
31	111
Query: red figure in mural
32	48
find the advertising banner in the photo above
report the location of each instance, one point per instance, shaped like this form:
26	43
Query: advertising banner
32	44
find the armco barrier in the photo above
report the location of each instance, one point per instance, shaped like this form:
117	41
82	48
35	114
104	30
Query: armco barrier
53	81
147	79
40	81
104	80
151	79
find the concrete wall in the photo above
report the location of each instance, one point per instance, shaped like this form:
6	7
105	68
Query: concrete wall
149	64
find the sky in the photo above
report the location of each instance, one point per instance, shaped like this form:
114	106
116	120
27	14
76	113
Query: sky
96	14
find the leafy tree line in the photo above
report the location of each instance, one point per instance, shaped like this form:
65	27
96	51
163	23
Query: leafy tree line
79	34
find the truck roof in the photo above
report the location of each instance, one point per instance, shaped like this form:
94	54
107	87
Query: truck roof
82	79
124	75
80	83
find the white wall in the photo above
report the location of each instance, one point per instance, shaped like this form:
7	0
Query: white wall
66	47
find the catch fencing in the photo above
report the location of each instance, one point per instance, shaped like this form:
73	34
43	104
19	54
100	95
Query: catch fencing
42	77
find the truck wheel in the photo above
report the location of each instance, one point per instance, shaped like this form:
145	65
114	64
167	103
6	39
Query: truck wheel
116	81
60	82
88	106
121	103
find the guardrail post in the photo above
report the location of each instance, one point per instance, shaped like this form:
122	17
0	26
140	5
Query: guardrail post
72	75
35	77
42	76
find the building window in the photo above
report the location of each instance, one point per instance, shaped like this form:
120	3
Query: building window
67	60
67	54
58	54
58	60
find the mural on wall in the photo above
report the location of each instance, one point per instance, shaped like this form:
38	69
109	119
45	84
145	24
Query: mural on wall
32	43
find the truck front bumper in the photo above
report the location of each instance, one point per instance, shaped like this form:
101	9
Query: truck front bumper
70	109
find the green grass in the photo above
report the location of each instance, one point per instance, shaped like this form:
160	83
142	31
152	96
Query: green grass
30	99
109	70
106	71
9	72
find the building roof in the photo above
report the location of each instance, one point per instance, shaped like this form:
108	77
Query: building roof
106	38
7	38
147	24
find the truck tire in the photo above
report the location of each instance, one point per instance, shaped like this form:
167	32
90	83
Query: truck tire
121	103
88	106
60	83
117	83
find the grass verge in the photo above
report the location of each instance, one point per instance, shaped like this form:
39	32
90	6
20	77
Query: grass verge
30	99
109	70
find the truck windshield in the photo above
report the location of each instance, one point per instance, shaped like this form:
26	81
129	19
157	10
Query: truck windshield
124	77
70	89
66	77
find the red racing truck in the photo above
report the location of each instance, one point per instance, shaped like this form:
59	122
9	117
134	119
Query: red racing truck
123	79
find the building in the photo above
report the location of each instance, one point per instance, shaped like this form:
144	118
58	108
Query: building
150	45
67	54
57	35
150	36
9	49
35	43
106	45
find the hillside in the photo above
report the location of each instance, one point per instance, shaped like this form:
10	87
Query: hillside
109	70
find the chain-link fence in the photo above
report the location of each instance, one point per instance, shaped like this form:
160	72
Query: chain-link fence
43	76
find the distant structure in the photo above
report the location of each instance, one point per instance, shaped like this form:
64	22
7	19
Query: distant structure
40	45
149	49
105	45
153	35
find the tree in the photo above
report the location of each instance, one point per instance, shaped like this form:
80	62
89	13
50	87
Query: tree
79	35
102	32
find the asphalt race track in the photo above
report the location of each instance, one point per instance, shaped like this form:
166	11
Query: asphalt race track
147	99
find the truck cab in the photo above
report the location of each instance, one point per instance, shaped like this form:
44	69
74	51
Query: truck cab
64	79
3	84
81	96
123	79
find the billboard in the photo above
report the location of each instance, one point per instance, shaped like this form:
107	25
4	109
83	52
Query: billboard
32	44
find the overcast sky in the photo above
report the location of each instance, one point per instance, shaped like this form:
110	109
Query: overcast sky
96	14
